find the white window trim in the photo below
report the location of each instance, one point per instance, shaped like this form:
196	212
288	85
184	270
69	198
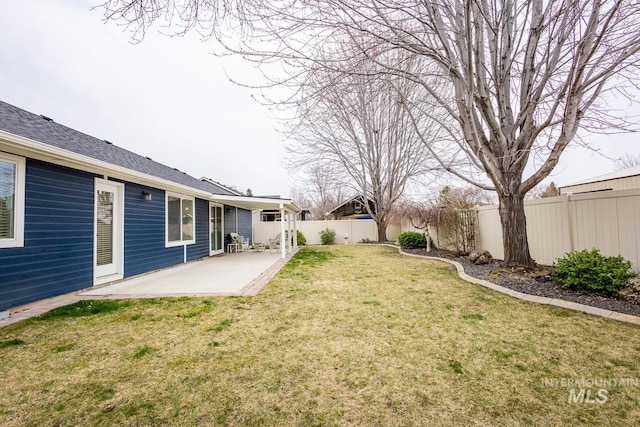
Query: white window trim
18	214
181	242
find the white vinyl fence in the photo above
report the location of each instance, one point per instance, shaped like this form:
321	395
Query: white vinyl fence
607	220
355	229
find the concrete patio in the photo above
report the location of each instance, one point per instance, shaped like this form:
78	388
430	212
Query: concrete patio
243	274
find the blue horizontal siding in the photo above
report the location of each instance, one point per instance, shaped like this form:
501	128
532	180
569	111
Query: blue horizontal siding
59	235
57	256
237	220
230	225
201	248
245	227
144	232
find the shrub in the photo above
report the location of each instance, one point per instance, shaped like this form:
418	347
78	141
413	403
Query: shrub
591	272
301	239
412	240
328	237
366	240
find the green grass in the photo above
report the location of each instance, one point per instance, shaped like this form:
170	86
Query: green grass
343	335
143	351
11	343
85	308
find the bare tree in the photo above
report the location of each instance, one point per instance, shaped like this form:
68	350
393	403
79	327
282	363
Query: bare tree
359	126
540	192
627	161
452	215
519	78
324	188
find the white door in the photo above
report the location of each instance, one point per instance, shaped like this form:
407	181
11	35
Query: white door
108	231
216	230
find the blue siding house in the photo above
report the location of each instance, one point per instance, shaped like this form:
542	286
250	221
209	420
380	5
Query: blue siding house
77	211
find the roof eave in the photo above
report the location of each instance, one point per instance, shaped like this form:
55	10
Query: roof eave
257	202
27	147
625	173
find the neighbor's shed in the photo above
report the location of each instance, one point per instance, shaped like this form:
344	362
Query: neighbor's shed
620	180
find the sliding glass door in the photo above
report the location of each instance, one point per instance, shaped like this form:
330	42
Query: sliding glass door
216	229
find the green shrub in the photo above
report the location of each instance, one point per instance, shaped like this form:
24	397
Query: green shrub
301	239
328	237
366	240
412	240
591	272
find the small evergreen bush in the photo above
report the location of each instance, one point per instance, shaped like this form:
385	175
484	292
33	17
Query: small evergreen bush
328	237
591	272
301	239
412	240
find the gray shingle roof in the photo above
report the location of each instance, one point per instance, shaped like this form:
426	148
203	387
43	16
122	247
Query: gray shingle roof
42	129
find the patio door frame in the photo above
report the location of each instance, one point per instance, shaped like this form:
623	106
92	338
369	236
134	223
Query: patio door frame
212	230
114	270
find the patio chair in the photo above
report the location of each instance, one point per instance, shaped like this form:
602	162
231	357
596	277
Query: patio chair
242	242
275	243
245	243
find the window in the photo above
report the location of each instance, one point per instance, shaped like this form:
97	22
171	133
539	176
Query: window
180	220
11	201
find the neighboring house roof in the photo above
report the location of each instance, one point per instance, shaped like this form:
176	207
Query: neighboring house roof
225	189
43	129
357	197
625	173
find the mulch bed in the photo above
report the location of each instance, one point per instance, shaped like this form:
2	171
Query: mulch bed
540	285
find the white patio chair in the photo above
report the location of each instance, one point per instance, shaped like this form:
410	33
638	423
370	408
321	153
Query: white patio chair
242	242
245	243
275	243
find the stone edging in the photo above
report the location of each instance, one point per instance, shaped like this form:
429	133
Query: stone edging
608	314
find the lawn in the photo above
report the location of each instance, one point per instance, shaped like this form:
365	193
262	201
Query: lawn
343	335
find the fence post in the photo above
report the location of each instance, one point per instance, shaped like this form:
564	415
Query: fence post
567	207
375	230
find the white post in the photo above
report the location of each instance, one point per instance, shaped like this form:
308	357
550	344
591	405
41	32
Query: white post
289	236
283	246
295	232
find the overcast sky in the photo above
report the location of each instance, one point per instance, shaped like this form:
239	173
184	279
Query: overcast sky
169	98
165	98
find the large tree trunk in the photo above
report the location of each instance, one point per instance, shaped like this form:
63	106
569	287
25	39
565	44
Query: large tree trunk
514	231
382	231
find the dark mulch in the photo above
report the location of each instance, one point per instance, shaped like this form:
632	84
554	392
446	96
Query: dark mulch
541	285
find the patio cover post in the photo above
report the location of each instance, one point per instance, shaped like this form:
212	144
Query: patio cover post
289	237
283	233
295	232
